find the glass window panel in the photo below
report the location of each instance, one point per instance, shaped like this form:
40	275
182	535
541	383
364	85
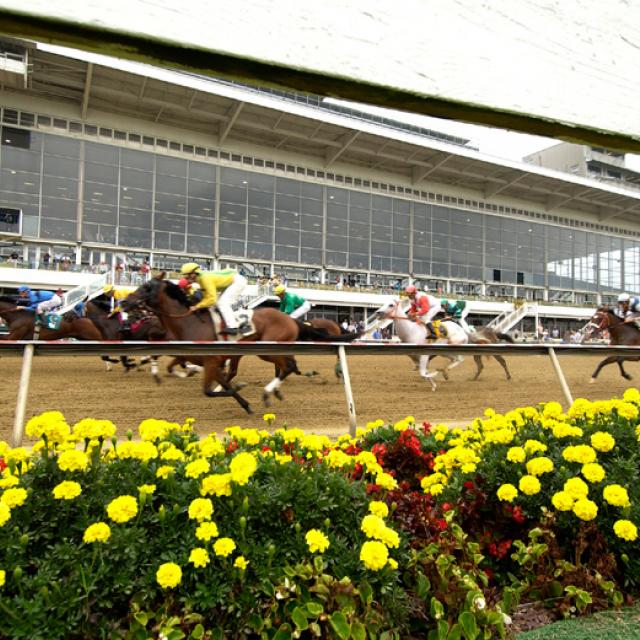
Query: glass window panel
421	267
261	182
287	220
170	202
337	243
233	213
287	254
135	218
358	245
169	222
287	236
256	233
20	159
360	199
259	251
132	178
63	167
234	177
380	233
311	223
136	159
401	236
336	259
102	173
358	230
171	184
337	196
440	213
380	264
422	250
401	206
381	218
381	248
199	226
57	229
98	233
161	240
234	230
286	186
309	190
100	193
439	254
287	203
134	237
201	208
400	250
311	256
358	260
135	198
311	207
261	217
440	226
337	211
382	203
20	182
202	171
166	166
337	227
439	268
311	240
99	213
176	242
200	244
359	215
30	225
260	199
60	187
233	194
59	208
101	153
63	147
202	190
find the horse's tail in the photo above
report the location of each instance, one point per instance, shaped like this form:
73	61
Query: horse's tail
345	337
505	337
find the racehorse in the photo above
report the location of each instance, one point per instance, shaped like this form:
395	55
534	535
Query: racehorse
416	333
143	328
486	335
171	306
21	324
620	332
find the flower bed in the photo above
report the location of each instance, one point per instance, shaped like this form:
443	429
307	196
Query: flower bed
404	531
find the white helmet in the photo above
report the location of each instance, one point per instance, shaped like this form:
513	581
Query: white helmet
623	297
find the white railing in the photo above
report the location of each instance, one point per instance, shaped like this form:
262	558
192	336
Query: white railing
83	292
509	318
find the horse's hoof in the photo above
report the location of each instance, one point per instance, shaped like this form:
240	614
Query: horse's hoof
266	399
278	394
240	385
248	409
157	379
592	381
629	377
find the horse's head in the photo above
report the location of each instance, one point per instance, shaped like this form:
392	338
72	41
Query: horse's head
600	321
387	309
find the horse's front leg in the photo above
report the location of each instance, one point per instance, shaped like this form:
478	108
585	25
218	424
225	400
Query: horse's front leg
286	365
604	363
213	373
423	368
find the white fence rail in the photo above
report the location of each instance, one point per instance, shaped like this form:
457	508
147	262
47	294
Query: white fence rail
28	348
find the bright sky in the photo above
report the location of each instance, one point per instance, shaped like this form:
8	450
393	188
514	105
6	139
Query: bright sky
495	142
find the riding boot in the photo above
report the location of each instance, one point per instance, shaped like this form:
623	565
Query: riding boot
431	332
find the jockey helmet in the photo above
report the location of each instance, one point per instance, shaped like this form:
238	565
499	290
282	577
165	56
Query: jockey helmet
623	297
279	289
410	289
23	287
189	267
108	288
443	302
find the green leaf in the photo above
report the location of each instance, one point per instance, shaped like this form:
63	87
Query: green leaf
454	632
217	634
468	623
283	633
198	632
314	608
255	622
299	619
443	629
340	625
366	592
142	618
437	610
318	563
423	586
358	631
176	634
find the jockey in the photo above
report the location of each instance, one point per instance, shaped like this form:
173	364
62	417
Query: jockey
424	307
115	296
290	303
230	282
629	307
457	310
39	301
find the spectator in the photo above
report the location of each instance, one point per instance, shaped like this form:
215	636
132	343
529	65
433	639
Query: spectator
377	334
339	283
345	325
46	258
13	258
145	270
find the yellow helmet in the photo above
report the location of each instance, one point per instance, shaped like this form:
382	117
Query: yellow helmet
279	289
108	288
190	267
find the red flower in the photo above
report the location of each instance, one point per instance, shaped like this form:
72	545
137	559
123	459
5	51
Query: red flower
426	426
517	515
468	484
446	507
442	524
232	446
3	465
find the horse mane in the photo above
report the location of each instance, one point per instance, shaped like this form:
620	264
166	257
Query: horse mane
176	293
11	299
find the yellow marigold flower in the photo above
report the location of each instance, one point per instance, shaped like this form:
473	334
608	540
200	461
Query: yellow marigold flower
436	489
529	485
379	508
197	468
269	417
122	509
199	557
625	529
97	532
206	531
576	488
172	454
631	395
552	410
316	541
211	446
9	481
224	547
201	509
73	461
14	497
401	425
371	525
627	410
581	453
539	466
218	484
242	467
534	446
50	425
67	490
562	501
432	479
616	495
337	459
3	577
164	471
392	563
148	489
241	563
91	428
17	455
144	451
507	493
169	575
389	537
374	555
585	509
5	514
566	431
516	454
579	408
602	441
386	481
593	472
152	429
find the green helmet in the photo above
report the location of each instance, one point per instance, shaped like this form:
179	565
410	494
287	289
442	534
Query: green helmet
444	302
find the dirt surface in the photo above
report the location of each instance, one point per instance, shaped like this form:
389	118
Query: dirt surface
383	387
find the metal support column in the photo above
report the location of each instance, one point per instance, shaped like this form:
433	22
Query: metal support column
347	390
23	392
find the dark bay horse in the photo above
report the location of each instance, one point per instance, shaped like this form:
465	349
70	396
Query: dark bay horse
486	335
21	324
171	306
620	332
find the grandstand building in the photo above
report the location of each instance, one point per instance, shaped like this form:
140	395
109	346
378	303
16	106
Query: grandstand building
105	160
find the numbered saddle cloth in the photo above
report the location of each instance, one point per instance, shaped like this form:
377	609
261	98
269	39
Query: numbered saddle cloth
244	318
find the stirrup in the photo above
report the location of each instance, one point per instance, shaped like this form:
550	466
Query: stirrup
230	331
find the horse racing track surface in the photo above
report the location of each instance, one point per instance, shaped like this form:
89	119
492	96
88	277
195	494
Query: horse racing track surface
384	387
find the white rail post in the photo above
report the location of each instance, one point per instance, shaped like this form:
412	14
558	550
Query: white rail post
347	390
560	374
23	392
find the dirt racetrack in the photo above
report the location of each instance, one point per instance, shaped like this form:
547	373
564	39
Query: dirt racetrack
384	387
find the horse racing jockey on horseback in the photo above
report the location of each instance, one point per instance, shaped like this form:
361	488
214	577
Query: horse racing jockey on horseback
230	282
424	308
110	300
39	301
457	310
629	309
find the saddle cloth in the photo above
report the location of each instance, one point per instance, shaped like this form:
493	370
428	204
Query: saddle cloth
244	316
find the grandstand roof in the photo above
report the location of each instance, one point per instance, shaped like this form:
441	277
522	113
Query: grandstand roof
236	113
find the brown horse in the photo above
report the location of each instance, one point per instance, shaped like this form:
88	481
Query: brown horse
486	335
620	332
171	305
21	324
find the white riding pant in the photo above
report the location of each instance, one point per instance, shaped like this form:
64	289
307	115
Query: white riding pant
301	310
47	305
434	310
228	298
